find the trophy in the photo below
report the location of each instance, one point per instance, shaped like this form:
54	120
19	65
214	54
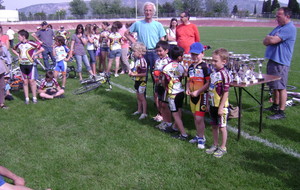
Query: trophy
253	62
260	62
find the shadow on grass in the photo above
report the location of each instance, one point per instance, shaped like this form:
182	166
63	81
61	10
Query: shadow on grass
280	166
285	132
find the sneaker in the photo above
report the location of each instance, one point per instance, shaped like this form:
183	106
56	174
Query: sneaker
274	108
116	75
220	152
26	101
278	115
158	126
201	143
136	113
194	140
3	106
211	150
170	129
34	100
164	126
181	137
143	116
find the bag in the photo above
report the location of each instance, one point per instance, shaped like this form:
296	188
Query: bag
3	67
233	111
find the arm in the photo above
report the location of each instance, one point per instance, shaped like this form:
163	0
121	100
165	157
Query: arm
129	36
197	35
90	39
36	37
71	50
7	173
200	90
271	40
38	52
222	103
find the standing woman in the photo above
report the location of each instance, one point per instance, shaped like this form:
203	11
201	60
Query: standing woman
104	48
171	33
79	40
89	32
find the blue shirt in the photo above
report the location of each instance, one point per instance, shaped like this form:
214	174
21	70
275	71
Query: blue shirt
1	180
148	33
282	52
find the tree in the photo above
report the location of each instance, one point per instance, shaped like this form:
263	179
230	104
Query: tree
275	5
78	8
22	16
40	16
60	14
254	11
268	6
1	6
234	10
294	6
263	10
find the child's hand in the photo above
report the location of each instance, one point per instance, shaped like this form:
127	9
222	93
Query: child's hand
188	92
220	111
19	181
194	93
66	59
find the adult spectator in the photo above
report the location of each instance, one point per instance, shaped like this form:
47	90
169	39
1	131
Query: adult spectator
171	33
149	33
280	45
45	36
4	38
186	33
11	35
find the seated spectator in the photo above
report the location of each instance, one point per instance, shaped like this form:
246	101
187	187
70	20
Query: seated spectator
7	95
50	88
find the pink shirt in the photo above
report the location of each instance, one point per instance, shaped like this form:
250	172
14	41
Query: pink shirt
125	42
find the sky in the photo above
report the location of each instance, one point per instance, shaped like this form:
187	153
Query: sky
18	4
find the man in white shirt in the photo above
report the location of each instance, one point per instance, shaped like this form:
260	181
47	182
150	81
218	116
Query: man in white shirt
11	35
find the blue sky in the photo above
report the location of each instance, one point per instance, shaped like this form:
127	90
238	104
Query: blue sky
18	4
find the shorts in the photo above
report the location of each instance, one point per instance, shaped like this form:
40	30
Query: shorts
198	105
140	87
104	49
216	120
2	182
28	72
277	69
161	93
92	54
114	53
61	66
176	102
98	52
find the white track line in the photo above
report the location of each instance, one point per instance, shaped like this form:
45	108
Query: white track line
235	131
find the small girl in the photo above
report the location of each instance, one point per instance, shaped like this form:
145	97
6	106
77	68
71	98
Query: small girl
139	72
89	32
114	43
104	49
60	51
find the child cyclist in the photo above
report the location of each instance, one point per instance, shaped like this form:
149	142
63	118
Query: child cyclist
160	94
60	52
172	76
197	84
218	101
49	87
25	52
139	73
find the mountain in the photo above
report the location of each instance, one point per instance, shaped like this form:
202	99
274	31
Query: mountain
51	8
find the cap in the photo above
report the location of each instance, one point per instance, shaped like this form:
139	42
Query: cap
196	48
44	23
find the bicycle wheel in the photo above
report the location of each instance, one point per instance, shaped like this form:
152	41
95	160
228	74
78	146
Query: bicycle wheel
87	88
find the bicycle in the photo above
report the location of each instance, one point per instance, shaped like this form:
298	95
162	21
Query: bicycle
93	83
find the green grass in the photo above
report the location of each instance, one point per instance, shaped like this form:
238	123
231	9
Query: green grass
92	141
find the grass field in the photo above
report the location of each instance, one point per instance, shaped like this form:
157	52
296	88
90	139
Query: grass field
92	141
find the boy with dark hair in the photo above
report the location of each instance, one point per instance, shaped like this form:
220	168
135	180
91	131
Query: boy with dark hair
25	50
50	88
160	94
172	76
196	86
218	101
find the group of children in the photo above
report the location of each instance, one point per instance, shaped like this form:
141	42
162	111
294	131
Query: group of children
207	88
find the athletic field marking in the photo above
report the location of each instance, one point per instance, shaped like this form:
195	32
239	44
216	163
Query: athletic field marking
235	131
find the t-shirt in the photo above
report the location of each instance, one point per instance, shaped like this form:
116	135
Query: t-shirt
158	67
173	74
282	52
219	83
115	40
125	41
4	40
61	52
186	35
198	75
104	38
62	33
139	67
148	33
26	50
46	36
10	34
53	84
172	33
78	45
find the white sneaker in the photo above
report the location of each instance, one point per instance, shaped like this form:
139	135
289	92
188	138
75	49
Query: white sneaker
116	75
143	116
136	113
